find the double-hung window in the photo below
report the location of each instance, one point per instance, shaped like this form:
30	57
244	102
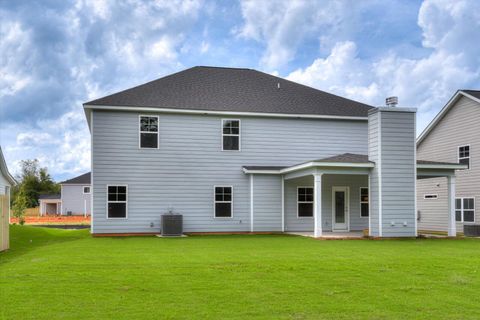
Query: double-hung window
230	134
364	204
117	202
304	202
148	132
465	209
223	201
464	155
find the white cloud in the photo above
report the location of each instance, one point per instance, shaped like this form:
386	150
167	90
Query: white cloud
425	83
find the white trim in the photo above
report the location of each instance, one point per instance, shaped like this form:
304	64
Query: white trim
215	201
283	204
346	212
91	173
380	204
89	189
430	196
317	205
460	158
312	202
442	113
231	134
251	203
361	202
312	164
441	166
88	108
369	207
140	131
61	199
415	214
126	201
4	170
462	209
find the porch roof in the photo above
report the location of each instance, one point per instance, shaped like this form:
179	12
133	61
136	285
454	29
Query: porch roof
346	160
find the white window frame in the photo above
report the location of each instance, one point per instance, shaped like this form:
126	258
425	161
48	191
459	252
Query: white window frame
232	135
312	202
89	189
215	202
462	209
140	131
126	201
430	196
367	202
461	158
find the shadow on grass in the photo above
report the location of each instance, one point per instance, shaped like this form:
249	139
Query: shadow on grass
27	238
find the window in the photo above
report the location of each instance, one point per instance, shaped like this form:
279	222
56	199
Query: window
430	196
231	135
148	132
86	190
117	202
464	155
364	204
304	202
223	202
465	209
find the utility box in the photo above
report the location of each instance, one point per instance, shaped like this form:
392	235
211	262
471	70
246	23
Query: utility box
172	225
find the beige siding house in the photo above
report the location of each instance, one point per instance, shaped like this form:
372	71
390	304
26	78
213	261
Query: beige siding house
453	136
6	182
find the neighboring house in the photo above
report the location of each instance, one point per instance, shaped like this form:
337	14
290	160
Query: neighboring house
74	198
6	182
453	135
238	150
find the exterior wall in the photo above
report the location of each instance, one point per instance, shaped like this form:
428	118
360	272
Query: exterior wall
354	182
374	155
458	127
395	172
4	213
267	203
189	162
74	200
433	213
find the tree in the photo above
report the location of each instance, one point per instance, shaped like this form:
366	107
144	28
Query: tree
33	182
19	206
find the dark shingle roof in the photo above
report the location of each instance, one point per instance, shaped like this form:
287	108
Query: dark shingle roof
342	158
234	90
49	196
475	93
83	179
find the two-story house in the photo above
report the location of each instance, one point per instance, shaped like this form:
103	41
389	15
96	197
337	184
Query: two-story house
238	150
453	135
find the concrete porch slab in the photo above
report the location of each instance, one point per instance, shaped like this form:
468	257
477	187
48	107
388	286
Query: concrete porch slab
331	235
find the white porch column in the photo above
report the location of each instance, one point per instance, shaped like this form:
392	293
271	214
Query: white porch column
251	202
452	225
317	201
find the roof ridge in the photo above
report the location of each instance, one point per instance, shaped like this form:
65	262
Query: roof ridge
217	67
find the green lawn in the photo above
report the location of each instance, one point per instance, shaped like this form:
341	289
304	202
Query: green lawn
63	274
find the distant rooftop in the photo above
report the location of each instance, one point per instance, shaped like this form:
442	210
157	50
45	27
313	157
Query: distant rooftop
82	179
475	93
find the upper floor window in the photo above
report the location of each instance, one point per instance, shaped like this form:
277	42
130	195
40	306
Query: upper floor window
230	134
364	204
148	132
465	209
86	189
464	155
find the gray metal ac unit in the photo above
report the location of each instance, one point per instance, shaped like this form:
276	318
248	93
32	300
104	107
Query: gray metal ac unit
172	225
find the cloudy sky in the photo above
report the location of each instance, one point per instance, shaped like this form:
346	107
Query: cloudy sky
55	55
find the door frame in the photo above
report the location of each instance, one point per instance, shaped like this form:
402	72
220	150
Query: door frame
346	189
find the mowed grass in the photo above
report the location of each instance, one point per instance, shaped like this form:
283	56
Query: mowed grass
64	274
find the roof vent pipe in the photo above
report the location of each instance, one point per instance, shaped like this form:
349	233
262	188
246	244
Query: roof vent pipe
391	101
278	85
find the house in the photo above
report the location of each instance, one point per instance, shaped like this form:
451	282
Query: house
452	136
6	182
238	150
74	198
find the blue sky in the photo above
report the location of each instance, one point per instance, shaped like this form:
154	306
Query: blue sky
55	55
